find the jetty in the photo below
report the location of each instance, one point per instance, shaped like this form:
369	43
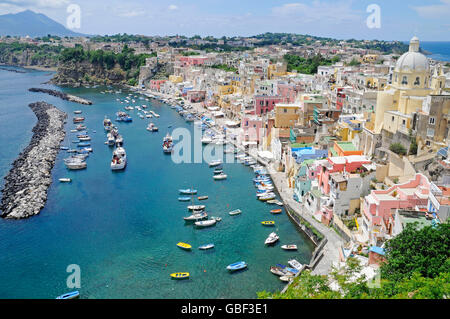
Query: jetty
61	95
25	190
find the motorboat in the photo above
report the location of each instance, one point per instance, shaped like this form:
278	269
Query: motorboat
276	211
273	237
215	163
206	140
111	140
205	247
289	247
152	128
80	127
184	199
218	171
180	275
196	207
65	180
84	137
277	271
119	140
237	266
188	191
184	246
205	223
235	212
77	112
74	163
220	176
78	119
70	295
167	144
107	124
196	216
295	264
119	159
268	223
286	278
202	197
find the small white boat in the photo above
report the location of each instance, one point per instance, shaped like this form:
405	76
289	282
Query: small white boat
215	163
220	176
205	247
286	278
196	207
206	140
77	112
273	237
289	247
65	180
295	264
119	159
235	212
205	223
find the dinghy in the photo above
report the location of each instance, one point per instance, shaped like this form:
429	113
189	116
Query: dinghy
273	237
205	223
196	207
65	180
70	295
235	212
188	191
207	246
276	211
180	275
237	266
268	223
184	246
202	197
184	199
289	247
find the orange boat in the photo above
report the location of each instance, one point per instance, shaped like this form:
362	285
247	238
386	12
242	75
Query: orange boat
276	211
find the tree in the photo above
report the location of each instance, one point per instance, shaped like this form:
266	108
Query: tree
398	148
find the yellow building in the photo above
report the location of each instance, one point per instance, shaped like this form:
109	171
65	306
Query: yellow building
370	58
286	115
175	79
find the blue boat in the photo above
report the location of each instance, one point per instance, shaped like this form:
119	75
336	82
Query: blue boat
70	295
188	191
184	199
292	270
237	266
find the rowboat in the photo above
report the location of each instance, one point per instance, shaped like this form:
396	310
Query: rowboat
196	207
294	263
184	199
268	223
188	191
207	246
286	278
202	197
277	271
272	201
65	180
267	197
273	237
220	176
70	295
235	212
77	112
184	246
206	223
279	203
289	247
276	211
237	266
180	275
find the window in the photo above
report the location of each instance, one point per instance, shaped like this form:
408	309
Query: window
432	120
285	110
430	132
427	143
417	82
392	119
405	80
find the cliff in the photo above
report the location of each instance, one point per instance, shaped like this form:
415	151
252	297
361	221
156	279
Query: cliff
28	58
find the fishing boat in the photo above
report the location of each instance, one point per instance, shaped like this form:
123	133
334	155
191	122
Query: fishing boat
268	223
215	163
78	119
202	197
276	211
80	127
74	163
184	246
119	159
289	247
107	124
196	207
167	144
220	176
237	266
65	180
180	275
235	212
70	295
196	216
84	137
188	191
207	246
273	237
295	264
205	223
184	199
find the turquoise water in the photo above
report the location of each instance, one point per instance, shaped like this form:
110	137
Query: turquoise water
122	228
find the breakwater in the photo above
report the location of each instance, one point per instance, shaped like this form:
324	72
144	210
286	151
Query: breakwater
11	70
61	95
26	185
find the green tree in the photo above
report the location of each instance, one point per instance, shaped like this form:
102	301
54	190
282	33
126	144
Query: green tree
398	148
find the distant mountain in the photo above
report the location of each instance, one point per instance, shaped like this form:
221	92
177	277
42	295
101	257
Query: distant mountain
32	24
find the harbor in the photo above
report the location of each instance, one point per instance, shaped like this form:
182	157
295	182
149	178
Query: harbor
121	227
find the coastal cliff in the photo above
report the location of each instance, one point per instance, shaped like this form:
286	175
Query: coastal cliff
26	185
24	55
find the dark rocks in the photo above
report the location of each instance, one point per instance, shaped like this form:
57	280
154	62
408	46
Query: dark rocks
26	185
63	96
12	70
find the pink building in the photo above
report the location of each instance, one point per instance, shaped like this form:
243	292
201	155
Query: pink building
252	128
288	92
196	96
155	85
192	60
263	104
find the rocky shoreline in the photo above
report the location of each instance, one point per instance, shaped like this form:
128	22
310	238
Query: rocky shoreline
11	70
61	95
26	185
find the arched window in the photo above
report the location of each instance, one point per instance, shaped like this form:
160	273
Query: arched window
417	82
405	80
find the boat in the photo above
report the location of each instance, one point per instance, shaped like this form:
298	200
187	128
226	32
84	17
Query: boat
205	223
77	112
152	128
277	271
184	199
64	148
84	137
217	218
65	180
218	171
119	140
215	163
279	203
184	246
78	119
286	278
237	266
268	223
180	275
188	191
206	140
295	264
202	197
119	159
107	124
196	216
273	237
289	247
220	176
267	197
80	127
272	201
74	163
70	295
276	211
167	144
235	212
207	246
111	140
196	207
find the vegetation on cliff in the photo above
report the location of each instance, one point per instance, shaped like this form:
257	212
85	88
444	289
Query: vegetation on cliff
307	65
24	54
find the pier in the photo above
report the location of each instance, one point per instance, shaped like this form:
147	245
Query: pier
61	95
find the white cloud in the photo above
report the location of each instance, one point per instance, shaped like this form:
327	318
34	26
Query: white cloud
435	10
53	4
173	7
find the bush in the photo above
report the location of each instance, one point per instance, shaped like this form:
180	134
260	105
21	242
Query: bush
398	148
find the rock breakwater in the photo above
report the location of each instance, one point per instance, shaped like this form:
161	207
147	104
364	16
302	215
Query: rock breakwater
63	96
26	185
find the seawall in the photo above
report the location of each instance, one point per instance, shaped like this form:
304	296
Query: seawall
63	96
26	185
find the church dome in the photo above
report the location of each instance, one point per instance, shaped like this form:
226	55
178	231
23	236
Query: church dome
413	60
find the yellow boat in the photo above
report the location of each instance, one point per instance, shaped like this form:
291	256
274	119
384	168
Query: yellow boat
184	245
268	223
180	275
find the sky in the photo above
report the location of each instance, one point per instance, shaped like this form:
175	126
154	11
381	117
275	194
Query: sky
340	19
